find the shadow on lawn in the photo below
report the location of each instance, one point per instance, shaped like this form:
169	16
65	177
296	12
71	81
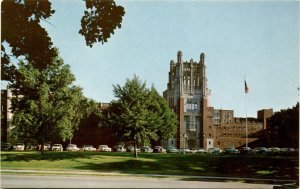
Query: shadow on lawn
257	166
196	165
49	156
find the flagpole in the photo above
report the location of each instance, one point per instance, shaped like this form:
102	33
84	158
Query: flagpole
246	91
246	120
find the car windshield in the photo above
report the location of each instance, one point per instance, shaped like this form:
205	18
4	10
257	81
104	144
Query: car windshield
104	146
56	145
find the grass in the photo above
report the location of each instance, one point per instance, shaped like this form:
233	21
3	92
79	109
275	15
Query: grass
257	166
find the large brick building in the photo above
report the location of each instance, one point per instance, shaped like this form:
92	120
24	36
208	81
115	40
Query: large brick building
199	124
230	131
188	95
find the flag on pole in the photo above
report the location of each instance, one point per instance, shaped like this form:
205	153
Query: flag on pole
246	87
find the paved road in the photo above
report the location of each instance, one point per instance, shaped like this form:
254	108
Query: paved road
46	181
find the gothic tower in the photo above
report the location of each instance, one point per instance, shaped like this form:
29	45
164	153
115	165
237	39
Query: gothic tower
187	96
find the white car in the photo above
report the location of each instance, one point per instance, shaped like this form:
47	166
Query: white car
57	147
184	150
146	149
19	146
88	148
47	147
104	148
131	149
199	150
72	147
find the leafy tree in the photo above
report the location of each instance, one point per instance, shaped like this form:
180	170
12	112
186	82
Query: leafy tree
22	32
168	118
82	108
284	128
140	114
45	103
100	20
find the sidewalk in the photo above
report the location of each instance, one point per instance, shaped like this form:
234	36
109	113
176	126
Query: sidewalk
92	173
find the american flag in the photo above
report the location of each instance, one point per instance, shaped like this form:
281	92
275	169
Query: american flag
246	87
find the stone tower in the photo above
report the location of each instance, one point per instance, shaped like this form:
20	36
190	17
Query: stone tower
187	95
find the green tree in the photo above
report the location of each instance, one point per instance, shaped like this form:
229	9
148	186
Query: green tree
22	32
82	107
140	114
284	128
168	119
45	103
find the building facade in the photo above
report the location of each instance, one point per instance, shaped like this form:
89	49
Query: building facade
199	124
230	131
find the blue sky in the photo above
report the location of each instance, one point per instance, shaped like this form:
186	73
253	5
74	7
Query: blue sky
259	39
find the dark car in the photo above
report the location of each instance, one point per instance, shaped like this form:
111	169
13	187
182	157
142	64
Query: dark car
246	150
214	151
5	146
286	151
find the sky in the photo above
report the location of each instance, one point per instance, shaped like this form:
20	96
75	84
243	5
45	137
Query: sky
256	39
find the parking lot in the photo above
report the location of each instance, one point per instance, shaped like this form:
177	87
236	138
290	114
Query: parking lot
148	149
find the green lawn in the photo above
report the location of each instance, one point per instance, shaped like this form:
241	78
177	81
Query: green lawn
256	166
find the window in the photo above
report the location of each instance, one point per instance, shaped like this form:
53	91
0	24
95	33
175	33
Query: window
190	105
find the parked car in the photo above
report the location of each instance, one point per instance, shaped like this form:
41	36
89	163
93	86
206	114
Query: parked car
274	150
159	149
5	146
261	150
287	151
104	148
88	148
72	147
131	149
246	150
32	147
19	146
199	150
214	151
57	147
146	149
118	148
172	150
230	150
184	150
47	147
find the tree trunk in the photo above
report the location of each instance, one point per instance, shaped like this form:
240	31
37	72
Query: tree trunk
42	148
135	148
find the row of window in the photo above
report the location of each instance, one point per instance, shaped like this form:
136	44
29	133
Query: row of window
190	104
239	128
231	134
229	144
